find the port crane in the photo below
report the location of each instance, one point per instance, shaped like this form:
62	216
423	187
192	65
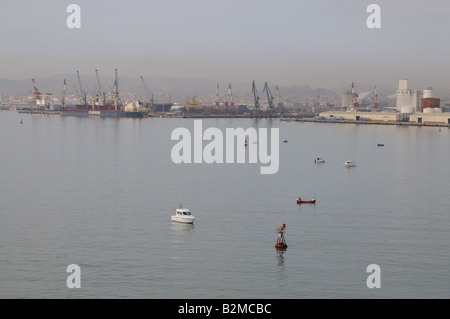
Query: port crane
100	98
147	91
269	96
229	97
113	97
36	93
375	102
63	98
279	103
91	97
217	96
354	95
79	98
116	85
101	94
255	97
82	92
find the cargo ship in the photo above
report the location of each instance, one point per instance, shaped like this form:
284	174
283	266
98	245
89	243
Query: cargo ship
109	110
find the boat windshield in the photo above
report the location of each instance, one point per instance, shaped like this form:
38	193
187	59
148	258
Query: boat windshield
187	213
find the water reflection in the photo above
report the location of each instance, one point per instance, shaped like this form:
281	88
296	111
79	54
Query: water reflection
280	255
182	232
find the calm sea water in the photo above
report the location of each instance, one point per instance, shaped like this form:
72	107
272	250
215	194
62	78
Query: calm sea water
99	193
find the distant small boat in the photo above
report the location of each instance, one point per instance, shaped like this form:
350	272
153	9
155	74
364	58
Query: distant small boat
379	144
350	164
305	201
319	160
182	215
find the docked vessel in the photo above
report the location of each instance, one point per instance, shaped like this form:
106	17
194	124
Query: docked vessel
107	110
98	105
350	164
182	215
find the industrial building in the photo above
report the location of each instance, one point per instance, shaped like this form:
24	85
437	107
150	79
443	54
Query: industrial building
407	99
365	116
430	118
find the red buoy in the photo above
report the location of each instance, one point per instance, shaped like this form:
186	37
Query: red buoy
281	242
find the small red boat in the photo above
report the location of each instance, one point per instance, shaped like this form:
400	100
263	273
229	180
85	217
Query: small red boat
306	201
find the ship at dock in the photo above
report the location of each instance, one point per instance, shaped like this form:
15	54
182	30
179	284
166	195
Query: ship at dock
108	110
98	105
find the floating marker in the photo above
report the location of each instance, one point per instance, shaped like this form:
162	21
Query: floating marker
281	242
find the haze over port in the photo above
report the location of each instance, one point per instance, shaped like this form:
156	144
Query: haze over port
323	44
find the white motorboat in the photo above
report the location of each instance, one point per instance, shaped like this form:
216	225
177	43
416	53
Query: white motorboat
350	164
319	160
183	215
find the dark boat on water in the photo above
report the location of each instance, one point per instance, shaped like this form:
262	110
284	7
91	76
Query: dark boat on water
305	201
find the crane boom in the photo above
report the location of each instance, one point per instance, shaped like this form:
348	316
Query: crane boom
269	96
79	98
113	97
255	97
36	93
63	98
116	85
279	103
147	91
98	81
79	83
91	97
99	96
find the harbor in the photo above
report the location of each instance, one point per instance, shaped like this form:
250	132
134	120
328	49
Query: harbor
101	193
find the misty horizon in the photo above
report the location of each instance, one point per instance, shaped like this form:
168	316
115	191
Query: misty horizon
322	44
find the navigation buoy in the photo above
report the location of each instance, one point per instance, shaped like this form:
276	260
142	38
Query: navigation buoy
281	242
245	144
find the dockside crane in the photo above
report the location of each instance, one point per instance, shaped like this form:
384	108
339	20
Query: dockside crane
317	104
36	93
82	92
354	95
279	103
116	85
375	101
230	97
217	96
63	98
114	98
101	94
147	91
255	97
269	96
91	97
79	98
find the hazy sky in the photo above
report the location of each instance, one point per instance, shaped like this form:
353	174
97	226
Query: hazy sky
324	43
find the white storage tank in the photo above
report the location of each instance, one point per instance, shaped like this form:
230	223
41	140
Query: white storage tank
428	93
407	109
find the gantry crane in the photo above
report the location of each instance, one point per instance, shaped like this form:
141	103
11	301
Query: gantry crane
255	97
269	96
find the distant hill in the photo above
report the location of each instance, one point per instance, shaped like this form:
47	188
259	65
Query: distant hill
164	85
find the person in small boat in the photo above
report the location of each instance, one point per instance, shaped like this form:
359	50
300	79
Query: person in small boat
299	198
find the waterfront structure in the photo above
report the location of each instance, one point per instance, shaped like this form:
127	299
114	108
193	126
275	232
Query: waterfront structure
407	99
430	104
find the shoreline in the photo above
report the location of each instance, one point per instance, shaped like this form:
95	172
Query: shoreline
399	123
